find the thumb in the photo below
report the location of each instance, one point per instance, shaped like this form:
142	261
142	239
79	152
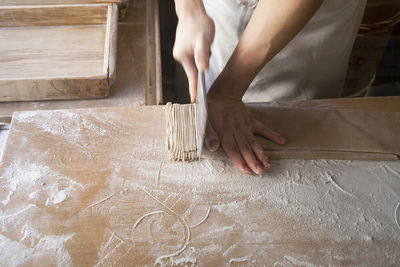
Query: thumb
202	55
191	73
212	140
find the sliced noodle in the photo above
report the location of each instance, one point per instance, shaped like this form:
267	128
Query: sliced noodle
181	132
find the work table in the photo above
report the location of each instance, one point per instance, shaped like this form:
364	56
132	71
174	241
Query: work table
94	187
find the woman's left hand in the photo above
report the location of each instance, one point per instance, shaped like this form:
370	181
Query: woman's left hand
235	127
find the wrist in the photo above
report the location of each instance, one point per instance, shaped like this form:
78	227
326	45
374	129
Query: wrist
187	9
240	70
224	88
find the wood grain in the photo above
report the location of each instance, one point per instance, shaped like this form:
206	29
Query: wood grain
331	133
28	90
125	204
59	55
122	4
52	52
129	88
31	16
113	45
154	94
54	2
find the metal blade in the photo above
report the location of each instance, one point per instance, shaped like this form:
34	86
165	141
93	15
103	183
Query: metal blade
201	114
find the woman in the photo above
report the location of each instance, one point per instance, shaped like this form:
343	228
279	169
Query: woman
264	50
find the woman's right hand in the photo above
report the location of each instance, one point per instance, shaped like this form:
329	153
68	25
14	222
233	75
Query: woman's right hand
194	36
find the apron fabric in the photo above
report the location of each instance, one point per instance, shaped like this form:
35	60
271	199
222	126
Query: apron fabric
312	65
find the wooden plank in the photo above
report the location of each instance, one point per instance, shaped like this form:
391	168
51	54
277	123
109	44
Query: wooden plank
59	61
158	70
108	26
122	4
97	184
31	16
332	133
129	87
51	52
41	89
113	45
380	103
153	56
53	2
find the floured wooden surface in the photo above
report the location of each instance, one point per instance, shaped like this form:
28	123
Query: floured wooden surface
332	133
95	187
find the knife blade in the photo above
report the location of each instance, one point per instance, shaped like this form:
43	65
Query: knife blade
201	112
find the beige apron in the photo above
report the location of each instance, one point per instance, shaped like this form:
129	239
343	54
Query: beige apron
312	65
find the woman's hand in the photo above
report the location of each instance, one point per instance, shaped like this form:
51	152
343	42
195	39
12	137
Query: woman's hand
235	128
194	36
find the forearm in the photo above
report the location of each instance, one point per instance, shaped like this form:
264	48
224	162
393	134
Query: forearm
188	7
273	25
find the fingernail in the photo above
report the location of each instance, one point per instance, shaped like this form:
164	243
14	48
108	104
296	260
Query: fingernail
213	143
246	170
282	140
202	67
266	164
259	170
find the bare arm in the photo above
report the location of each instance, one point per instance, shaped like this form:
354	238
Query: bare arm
194	35
273	25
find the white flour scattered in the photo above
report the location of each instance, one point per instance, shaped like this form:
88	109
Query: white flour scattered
59	197
205	208
3	139
297	262
16	253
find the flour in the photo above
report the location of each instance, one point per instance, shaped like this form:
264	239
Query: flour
198	213
67	124
14	253
98	202
59	197
3	139
7	218
298	262
239	260
26	175
397	215
21	174
311	190
202	220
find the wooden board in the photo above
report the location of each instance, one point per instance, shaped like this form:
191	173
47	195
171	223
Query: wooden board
130	87
54	2
122	4
50	52
94	186
385	103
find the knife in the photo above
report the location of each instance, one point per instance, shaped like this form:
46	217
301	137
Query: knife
201	112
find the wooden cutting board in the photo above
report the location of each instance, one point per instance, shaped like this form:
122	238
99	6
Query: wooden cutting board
94	186
57	51
123	4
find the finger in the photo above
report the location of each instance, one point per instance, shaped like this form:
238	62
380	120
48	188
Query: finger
248	154
191	73
231	149
202	55
258	151
260	129
212	139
